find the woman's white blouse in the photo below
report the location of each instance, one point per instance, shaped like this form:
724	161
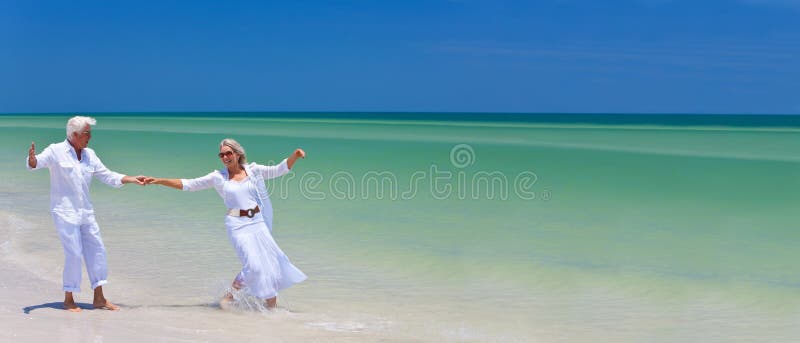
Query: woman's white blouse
240	195
256	175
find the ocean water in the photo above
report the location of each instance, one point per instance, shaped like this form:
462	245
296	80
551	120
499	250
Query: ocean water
446	228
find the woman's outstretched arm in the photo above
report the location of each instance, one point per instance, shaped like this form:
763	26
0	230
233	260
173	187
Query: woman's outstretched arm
196	184
299	153
174	183
271	172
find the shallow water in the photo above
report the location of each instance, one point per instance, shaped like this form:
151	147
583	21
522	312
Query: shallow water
452	231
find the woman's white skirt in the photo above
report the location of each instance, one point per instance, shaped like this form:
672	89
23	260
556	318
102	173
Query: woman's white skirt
265	268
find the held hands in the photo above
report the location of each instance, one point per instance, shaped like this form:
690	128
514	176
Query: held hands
143	180
139	179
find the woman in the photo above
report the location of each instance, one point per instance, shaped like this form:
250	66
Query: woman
265	268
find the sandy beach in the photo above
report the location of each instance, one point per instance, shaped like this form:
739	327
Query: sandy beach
30	310
31	307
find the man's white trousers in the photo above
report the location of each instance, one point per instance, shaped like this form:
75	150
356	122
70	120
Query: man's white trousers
82	242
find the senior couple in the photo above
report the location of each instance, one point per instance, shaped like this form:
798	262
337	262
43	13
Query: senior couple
265	268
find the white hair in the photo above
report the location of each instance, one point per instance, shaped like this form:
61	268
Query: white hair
236	147
77	123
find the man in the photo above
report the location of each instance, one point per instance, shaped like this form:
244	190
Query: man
72	166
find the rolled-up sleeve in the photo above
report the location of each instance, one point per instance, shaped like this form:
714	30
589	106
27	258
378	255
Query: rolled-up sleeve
200	183
271	172
105	175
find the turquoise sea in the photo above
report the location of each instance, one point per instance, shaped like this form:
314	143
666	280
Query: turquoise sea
452	227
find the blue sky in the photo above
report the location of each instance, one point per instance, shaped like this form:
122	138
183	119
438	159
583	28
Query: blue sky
638	56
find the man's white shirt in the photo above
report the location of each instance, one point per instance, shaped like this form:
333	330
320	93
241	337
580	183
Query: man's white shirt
70	179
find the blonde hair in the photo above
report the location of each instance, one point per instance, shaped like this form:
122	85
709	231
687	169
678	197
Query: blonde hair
236	147
77	123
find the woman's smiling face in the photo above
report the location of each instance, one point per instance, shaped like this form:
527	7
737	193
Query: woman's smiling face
228	156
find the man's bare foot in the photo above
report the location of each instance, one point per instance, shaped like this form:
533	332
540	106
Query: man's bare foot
106	305
100	301
69	303
72	307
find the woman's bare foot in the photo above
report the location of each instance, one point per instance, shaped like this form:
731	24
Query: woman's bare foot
226	303
272	303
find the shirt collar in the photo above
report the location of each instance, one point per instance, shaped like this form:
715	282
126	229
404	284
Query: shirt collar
71	149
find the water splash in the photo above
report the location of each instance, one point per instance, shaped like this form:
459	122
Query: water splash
240	301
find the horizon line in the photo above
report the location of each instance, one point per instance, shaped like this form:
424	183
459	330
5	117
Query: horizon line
400	112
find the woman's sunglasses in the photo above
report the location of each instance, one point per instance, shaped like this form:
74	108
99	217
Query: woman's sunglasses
227	153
